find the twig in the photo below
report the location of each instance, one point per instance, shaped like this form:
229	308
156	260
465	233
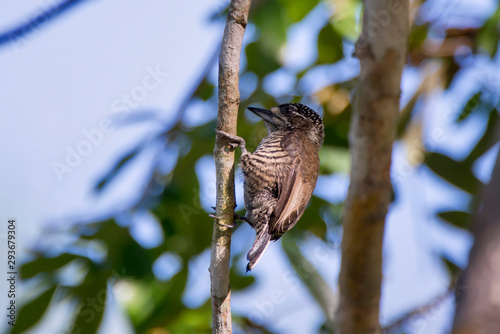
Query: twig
229	101
37	20
420	311
382	53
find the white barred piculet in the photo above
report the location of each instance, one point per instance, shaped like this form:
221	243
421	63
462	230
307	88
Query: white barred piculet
280	176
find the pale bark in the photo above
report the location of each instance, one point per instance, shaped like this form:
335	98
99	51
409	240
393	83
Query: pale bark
478	301
382	53
229	101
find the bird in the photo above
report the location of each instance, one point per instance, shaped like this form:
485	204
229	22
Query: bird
280	176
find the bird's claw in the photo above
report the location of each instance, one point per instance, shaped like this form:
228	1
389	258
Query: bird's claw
242	218
233	141
236	217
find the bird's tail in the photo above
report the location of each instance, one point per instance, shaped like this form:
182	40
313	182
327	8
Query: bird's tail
262	240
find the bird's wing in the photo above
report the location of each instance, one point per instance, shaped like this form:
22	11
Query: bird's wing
295	188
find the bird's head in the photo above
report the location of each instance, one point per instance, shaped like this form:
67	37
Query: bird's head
290	117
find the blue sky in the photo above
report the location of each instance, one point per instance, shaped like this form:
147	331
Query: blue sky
75	77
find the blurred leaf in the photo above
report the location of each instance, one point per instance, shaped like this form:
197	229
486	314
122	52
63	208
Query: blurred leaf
405	115
45	264
135	259
488	35
296	10
168	305
205	90
337	127
92	295
457	218
32	312
124	253
417	36
469	107
139	304
315	283
193	321
238	281
334	160
453	269
272	23
345	19
260	62
330	48
486	141
456	173
312	219
123	161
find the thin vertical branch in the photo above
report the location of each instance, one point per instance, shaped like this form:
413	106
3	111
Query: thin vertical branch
229	101
478	302
382	53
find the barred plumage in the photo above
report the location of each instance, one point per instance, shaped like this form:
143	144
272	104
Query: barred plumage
280	176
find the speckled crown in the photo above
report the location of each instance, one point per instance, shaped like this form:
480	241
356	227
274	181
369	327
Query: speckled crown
306	111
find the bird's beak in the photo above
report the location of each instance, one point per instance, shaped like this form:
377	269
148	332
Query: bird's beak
265	114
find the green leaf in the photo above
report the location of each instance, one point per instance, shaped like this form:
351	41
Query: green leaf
193	321
488	35
272	23
315	283
486	142
92	295
457	218
469	107
453	269
32	312
296	10
238	281
135	260
312	219
168	305
44	265
334	160
456	173
205	90
123	161
405	115
417	37
345	18
330	48
260	62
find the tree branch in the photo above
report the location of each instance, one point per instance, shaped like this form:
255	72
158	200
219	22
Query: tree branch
478	308
382	53
229	101
37	20
396	326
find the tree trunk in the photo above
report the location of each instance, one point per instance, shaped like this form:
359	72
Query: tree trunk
229	101
382	53
478	302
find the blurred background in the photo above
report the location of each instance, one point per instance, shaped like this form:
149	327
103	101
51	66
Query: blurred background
108	115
